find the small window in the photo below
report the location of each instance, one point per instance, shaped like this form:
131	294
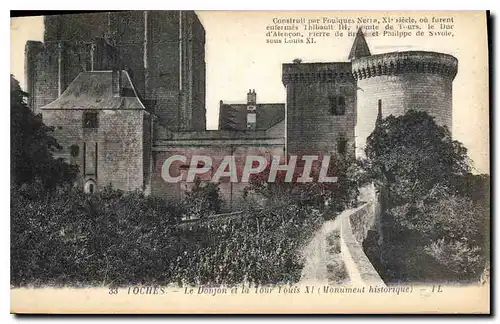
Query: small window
337	105
74	150
341	145
90	120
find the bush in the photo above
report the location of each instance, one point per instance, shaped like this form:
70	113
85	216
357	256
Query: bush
203	200
331	196
116	238
444	240
457	257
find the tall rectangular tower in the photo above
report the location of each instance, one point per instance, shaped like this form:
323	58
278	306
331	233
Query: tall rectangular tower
321	108
162	51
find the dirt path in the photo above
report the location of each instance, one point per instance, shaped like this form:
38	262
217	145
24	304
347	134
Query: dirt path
318	256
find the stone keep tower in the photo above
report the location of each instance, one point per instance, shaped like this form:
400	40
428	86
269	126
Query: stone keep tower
393	83
162	51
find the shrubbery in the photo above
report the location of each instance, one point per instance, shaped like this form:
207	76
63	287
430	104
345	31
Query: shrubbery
444	240
112	238
203	200
77	238
331	197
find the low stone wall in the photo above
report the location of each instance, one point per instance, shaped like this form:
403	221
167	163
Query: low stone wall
354	227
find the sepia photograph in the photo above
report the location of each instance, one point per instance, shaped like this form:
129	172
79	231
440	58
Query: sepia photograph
250	162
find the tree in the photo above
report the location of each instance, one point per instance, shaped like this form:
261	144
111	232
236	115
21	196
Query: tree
335	196
32	146
409	155
434	221
203	199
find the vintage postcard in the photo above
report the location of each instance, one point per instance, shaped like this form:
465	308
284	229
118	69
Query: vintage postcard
257	162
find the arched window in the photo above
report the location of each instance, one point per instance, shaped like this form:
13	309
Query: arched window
90	186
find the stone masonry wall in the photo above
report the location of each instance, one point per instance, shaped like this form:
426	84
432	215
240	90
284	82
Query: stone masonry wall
119	141
354	226
399	93
44	82
400	81
151	52
45	74
216	149
311	126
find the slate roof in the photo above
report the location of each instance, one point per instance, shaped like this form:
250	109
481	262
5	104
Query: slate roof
359	47
93	90
234	116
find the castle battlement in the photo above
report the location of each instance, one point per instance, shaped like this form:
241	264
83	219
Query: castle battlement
317	72
405	62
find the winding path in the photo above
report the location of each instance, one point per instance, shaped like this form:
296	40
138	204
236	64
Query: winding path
316	254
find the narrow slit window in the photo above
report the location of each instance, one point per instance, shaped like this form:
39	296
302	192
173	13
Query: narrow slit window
75	150
341	145
337	105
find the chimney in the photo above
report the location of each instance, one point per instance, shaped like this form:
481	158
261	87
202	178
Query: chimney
251	110
251	97
116	83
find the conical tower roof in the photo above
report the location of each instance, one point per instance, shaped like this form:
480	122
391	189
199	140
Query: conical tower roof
359	47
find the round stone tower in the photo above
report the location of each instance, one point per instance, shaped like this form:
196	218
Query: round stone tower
393	83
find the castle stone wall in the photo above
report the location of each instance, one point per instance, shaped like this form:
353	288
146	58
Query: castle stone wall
42	74
52	66
399	82
215	145
119	139
311	127
76	27
163	51
354	227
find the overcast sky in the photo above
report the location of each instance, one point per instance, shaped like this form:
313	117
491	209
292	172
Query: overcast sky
238	59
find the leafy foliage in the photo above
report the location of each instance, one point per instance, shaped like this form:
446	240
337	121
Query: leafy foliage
32	146
115	238
408	155
203	199
444	240
436	213
456	256
334	196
